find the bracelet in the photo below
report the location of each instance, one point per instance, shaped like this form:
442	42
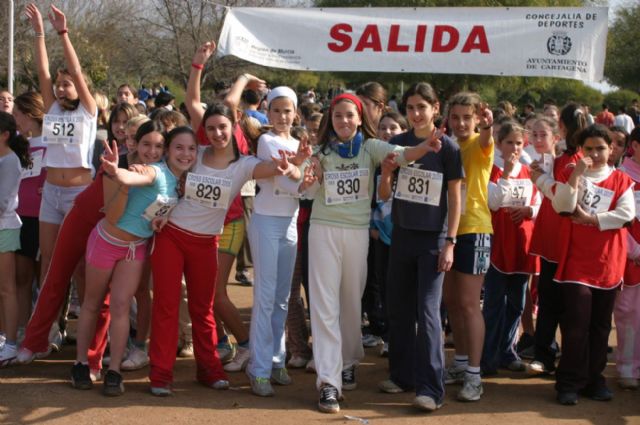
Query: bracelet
197	66
486	128
64	31
39	35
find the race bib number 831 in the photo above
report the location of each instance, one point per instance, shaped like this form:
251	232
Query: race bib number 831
420	186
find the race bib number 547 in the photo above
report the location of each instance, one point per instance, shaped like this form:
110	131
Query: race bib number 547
343	187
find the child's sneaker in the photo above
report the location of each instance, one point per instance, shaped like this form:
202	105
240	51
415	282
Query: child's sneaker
112	385
260	386
239	362
81	377
280	376
26	356
161	391
454	374
328	402
349	379
471	389
8	354
297	362
136	359
226	352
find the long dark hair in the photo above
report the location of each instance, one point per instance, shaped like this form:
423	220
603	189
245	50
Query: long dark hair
17	142
149	127
574	121
219	108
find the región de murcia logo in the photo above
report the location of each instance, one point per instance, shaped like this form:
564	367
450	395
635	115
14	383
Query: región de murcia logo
559	43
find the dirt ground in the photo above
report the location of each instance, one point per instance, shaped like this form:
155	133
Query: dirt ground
41	393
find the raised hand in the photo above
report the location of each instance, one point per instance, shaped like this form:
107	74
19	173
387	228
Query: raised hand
536	171
304	152
308	178
57	19
484	115
583	164
254	83
110	157
435	144
204	52
509	164
35	18
283	166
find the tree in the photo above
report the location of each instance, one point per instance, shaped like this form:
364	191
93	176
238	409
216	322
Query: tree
622	67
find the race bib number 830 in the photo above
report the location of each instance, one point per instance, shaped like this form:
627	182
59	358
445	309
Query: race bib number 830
342	187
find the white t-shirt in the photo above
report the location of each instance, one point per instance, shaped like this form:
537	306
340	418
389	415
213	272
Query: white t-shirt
69	136
10	171
197	211
278	195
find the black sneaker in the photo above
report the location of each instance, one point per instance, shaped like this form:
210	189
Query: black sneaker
81	377
349	379
567	398
599	394
243	279
112	385
328	402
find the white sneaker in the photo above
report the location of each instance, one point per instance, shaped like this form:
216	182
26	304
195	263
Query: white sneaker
8	354
454	375
26	356
239	362
311	366
297	362
384	350
3	339
426	403
471	389
186	350
56	338
136	359
95	375
369	340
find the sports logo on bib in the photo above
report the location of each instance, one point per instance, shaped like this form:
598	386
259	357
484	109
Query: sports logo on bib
593	198
343	187
62	129
419	186
211	192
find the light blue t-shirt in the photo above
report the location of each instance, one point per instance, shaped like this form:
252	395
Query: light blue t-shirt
141	197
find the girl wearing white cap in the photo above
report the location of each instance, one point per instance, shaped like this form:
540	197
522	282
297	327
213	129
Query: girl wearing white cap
273	238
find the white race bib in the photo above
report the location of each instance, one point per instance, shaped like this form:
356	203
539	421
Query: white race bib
343	187
36	165
419	186
592	198
520	193
62	129
278	192
211	192
161	207
546	163
636	196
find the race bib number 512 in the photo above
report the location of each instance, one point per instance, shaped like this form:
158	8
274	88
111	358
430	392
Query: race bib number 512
211	192
343	187
62	129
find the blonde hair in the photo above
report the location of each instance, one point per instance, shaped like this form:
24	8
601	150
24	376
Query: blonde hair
102	103
137	121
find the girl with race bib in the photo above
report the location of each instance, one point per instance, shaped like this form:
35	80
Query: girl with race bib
69	131
425	214
273	239
116	252
29	112
339	239
188	242
600	202
14	156
514	203
472	246
547	227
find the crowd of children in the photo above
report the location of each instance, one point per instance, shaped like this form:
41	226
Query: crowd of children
402	222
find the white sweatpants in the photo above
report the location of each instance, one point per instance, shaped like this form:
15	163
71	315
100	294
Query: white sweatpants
337	277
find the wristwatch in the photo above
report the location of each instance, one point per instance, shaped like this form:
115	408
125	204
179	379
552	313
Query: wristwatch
451	240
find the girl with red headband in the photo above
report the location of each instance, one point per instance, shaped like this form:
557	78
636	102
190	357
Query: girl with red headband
339	238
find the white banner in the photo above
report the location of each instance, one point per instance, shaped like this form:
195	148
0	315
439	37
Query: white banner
566	42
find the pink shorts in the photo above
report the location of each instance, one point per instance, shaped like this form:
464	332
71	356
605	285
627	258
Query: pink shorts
104	251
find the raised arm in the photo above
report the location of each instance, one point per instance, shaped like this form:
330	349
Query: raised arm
485	124
42	60
109	159
192	98
244	81
59	22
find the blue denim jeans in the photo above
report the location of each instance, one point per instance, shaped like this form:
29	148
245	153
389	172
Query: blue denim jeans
504	297
273	246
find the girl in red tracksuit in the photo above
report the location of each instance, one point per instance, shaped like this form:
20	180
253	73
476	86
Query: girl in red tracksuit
514	202
593	251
